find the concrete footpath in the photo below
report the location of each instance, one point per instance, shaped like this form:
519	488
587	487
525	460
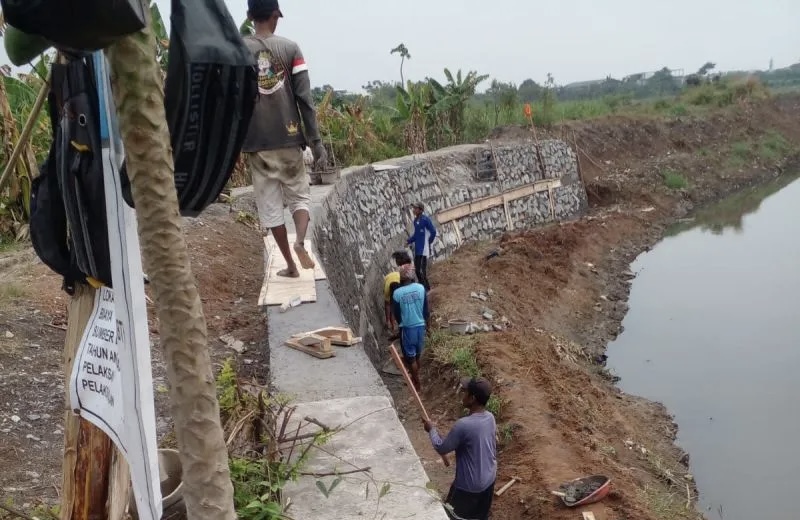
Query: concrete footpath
345	391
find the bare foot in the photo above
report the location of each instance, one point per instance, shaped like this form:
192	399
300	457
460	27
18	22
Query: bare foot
288	273
305	259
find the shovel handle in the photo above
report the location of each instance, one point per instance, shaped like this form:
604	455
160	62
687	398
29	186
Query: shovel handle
410	384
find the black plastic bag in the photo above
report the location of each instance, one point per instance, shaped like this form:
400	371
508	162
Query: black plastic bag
210	92
76	24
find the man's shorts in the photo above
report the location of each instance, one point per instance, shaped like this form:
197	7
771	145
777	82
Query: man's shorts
412	342
279	177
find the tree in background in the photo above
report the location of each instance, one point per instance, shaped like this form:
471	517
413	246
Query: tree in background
402	50
452	99
530	91
504	98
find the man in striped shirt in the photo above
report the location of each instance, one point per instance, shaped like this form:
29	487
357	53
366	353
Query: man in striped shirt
275	139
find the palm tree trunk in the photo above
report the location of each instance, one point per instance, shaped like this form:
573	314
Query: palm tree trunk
402	79
139	96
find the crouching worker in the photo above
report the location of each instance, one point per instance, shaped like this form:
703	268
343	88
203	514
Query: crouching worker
410	303
400	258
473	440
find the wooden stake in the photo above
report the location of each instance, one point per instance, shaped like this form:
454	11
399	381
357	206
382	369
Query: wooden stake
90	468
410	384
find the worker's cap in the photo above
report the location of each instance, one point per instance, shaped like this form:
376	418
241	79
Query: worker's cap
407	273
477	387
263	8
420	206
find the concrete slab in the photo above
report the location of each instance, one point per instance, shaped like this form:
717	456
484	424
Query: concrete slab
305	378
375	438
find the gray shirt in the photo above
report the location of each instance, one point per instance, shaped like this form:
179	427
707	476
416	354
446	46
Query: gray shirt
473	440
284	99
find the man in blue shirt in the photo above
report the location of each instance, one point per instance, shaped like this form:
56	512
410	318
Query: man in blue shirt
422	239
410	303
473	440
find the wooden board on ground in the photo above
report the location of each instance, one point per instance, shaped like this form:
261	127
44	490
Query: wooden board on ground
339	336
271	245
312	344
278	290
588	516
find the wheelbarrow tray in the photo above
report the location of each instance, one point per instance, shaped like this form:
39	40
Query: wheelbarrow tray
601	483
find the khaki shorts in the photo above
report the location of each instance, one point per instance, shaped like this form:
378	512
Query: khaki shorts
279	179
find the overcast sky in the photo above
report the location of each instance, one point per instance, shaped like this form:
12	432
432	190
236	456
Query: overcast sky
347	42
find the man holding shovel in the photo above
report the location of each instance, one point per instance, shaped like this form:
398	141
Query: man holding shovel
473	440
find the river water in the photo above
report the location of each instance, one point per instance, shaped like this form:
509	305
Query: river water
713	332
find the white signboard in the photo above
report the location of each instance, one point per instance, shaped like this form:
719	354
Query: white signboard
112	383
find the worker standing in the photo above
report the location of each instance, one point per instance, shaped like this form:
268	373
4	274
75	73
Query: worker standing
400	258
473	439
422	240
275	141
410	303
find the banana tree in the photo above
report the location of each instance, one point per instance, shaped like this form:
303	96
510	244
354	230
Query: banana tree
413	105
454	97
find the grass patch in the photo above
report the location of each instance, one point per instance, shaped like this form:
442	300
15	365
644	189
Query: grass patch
666	506
742	150
11	291
674	180
458	351
773	146
505	434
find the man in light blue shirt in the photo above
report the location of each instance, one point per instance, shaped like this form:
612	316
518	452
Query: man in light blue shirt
410	303
473	439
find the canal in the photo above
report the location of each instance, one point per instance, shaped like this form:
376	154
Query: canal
713	332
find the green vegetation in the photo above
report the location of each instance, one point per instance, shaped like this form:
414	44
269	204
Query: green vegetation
458	351
10	291
674	180
773	146
413	116
252	418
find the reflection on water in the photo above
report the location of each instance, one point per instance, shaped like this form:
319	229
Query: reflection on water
730	212
713	332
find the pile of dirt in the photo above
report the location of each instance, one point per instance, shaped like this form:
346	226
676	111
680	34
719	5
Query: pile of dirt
32	327
556	296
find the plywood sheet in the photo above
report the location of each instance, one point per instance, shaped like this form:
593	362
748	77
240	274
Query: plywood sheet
271	246
278	290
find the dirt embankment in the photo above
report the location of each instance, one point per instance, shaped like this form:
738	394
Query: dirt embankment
563	289
32	323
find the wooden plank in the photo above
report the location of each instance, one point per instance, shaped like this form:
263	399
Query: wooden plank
588	515
509	222
457	231
316	341
312	351
271	245
478	205
278	290
339	336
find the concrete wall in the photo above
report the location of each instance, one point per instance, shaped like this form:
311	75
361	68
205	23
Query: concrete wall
367	214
